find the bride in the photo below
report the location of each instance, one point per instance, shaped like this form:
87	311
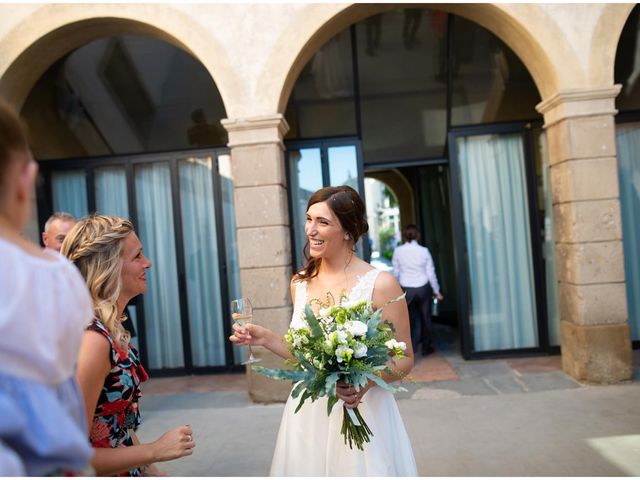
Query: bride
309	442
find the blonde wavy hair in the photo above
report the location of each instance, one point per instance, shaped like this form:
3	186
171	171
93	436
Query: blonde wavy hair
95	244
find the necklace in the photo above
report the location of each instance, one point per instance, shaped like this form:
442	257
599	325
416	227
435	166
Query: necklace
330	299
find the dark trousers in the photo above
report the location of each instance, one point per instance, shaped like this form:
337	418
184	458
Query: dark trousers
419	303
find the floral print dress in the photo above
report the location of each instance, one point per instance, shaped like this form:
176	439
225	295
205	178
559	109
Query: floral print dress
117	409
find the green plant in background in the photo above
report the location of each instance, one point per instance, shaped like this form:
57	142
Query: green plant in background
385	237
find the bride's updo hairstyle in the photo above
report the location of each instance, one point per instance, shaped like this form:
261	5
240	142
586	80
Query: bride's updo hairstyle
349	209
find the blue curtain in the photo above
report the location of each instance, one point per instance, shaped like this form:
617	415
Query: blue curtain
156	231
70	192
111	191
628	146
496	217
201	262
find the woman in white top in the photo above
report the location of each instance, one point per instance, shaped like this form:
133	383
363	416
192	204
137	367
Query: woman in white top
45	306
414	269
309	442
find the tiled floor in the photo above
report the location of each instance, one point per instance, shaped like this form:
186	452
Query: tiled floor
433	368
228	382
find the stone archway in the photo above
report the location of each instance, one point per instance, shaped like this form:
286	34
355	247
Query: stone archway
53	31
401	189
605	42
510	23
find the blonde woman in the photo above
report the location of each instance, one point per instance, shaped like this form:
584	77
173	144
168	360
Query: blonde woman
109	256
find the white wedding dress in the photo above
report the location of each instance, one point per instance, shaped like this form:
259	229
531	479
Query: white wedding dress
310	443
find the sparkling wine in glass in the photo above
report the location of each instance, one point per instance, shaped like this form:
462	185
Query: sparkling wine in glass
242	314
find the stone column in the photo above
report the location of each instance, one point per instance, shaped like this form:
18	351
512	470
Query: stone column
264	250
595	336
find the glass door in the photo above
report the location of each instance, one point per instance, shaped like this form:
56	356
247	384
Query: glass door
499	269
182	207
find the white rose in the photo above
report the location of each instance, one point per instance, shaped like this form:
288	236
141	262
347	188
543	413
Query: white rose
393	344
356	328
360	350
343	353
342	336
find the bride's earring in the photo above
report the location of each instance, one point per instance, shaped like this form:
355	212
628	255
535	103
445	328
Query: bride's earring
347	236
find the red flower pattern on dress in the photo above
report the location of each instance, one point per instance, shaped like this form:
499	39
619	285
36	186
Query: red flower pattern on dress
117	408
99	431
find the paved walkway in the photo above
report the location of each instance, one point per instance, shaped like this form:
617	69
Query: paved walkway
518	417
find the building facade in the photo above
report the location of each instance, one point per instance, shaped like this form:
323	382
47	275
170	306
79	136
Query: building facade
507	132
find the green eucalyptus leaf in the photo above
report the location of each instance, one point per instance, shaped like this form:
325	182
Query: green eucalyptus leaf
331	401
314	325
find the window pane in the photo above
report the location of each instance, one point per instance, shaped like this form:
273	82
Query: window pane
498	242
343	166
70	192
157	234
403	88
322	101
111	191
306	177
201	262
124	94
490	84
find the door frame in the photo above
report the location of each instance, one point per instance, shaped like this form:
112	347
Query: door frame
44	198
466	337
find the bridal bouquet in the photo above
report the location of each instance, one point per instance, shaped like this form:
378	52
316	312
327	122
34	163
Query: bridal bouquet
349	341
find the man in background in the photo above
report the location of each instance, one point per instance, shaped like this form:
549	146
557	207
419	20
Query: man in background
413	267
56	229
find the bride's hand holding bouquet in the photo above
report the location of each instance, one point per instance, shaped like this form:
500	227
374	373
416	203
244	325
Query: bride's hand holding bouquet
339	354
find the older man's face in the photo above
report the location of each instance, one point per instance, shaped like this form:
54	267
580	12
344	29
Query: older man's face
54	235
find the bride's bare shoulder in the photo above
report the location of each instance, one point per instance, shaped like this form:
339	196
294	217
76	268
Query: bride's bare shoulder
387	286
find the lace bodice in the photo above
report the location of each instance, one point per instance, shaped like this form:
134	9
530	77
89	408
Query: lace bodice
362	290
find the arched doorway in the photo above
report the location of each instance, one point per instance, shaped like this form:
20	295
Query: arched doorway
440	100
627	69
129	125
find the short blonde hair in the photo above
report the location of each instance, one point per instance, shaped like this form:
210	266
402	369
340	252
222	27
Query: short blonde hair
94	244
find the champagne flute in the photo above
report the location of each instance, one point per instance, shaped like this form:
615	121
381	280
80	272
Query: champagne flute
242	314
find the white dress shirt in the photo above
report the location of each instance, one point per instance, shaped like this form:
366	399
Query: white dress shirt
413	266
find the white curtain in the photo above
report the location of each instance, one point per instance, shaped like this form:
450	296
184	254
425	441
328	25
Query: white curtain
496	216
111	191
156	231
201	262
628	146
70	192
